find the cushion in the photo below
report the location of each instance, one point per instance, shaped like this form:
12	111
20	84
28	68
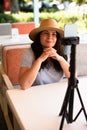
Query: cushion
11	61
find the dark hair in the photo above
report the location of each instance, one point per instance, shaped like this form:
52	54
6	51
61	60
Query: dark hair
37	49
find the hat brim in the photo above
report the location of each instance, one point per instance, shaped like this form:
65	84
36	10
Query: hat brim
34	32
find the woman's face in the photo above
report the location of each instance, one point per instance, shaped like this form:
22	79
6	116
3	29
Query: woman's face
48	38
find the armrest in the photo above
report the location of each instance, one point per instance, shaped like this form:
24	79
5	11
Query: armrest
7	81
4	85
4	79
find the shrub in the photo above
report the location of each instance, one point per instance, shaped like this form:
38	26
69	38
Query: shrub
61	16
7	18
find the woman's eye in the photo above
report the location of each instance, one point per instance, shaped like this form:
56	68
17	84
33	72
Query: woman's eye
54	34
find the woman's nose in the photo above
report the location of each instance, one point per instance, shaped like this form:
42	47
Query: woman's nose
49	34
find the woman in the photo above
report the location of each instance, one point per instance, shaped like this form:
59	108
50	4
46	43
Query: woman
44	62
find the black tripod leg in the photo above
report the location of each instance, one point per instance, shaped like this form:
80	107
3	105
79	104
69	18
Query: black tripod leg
68	100
83	108
62	121
70	109
65	102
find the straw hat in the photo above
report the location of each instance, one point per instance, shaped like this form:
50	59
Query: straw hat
45	25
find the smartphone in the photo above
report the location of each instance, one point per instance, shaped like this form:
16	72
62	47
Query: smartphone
70	30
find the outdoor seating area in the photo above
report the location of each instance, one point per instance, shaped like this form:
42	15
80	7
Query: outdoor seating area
10	56
39	90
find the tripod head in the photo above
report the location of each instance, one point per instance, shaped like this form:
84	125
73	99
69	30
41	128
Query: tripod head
70	40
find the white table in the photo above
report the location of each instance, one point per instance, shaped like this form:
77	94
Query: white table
19	39
37	108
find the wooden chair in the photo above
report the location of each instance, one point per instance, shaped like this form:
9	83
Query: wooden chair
9	70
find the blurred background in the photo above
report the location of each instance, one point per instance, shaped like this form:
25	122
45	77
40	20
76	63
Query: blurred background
64	11
27	11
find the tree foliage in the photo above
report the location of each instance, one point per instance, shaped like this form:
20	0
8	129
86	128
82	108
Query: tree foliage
15	4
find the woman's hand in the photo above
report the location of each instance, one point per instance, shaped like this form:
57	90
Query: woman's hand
47	52
51	52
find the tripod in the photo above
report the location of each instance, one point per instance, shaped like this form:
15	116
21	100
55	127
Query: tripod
67	107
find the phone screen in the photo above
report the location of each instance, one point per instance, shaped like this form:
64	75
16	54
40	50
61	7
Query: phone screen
70	30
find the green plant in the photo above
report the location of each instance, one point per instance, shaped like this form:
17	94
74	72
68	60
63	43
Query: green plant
7	18
60	16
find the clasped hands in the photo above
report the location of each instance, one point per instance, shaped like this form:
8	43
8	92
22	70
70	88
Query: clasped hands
49	52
